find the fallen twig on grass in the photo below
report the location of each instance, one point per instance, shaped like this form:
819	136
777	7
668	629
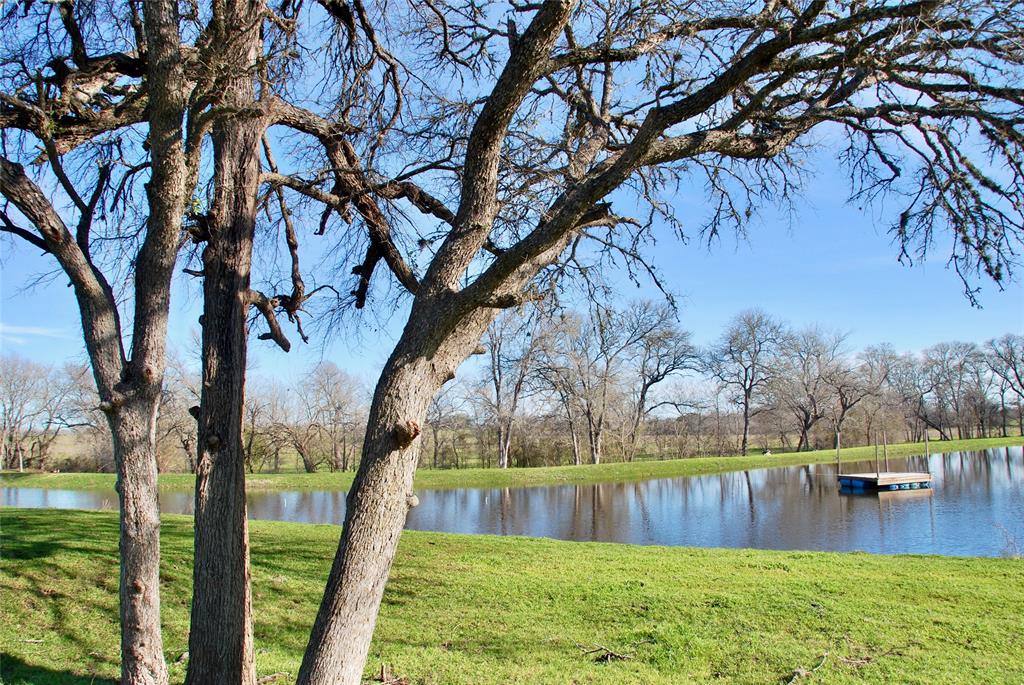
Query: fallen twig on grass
803	672
607	655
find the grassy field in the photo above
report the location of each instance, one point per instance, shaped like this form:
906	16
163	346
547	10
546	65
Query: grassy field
479	610
513	478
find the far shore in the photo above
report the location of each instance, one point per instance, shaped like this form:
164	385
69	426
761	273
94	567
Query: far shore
448	479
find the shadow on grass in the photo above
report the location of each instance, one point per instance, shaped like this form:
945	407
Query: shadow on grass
14	671
32	534
10	478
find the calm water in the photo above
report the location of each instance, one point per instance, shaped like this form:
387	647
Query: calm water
976	508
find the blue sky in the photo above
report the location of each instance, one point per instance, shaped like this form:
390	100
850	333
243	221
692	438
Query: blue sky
832	265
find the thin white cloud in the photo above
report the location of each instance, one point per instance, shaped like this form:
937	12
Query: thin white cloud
19	334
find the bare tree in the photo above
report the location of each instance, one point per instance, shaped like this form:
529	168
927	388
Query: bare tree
331	405
741	361
21	389
910	388
511	348
849	385
178	409
949	368
514	173
300	429
255	417
106	69
1006	359
590	357
663	351
445	406
981	383
744	88
884	383
268	409
557	379
800	378
37	403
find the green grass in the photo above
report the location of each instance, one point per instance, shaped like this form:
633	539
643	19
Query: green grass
480	610
519	477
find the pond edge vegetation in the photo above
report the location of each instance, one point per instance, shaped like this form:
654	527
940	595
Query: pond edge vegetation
449	479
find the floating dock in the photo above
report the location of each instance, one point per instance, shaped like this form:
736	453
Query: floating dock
892	495
886	480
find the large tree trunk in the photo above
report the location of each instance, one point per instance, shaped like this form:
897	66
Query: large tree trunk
220	639
133	426
308	463
377	505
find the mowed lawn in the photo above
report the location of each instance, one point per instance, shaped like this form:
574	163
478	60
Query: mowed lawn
519	477
478	610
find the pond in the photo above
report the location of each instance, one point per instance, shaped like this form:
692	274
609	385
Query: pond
975	508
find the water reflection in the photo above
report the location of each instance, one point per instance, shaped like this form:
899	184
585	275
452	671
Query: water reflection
976	507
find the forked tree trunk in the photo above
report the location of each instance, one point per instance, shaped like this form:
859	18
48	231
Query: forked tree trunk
133	426
804	443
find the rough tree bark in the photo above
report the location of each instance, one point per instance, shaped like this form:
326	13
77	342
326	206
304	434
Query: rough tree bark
128	384
444	328
133	427
221	640
377	505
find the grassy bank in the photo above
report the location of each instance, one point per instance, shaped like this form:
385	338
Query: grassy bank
479	610
515	478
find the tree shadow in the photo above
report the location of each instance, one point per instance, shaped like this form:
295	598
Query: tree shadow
31	536
14	671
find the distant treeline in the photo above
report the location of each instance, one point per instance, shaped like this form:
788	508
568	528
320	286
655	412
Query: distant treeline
570	388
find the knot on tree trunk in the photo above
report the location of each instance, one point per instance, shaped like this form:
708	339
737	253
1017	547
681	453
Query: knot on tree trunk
111	404
405	432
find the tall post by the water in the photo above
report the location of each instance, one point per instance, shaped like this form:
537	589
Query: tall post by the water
885	449
926	452
839	464
876	456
